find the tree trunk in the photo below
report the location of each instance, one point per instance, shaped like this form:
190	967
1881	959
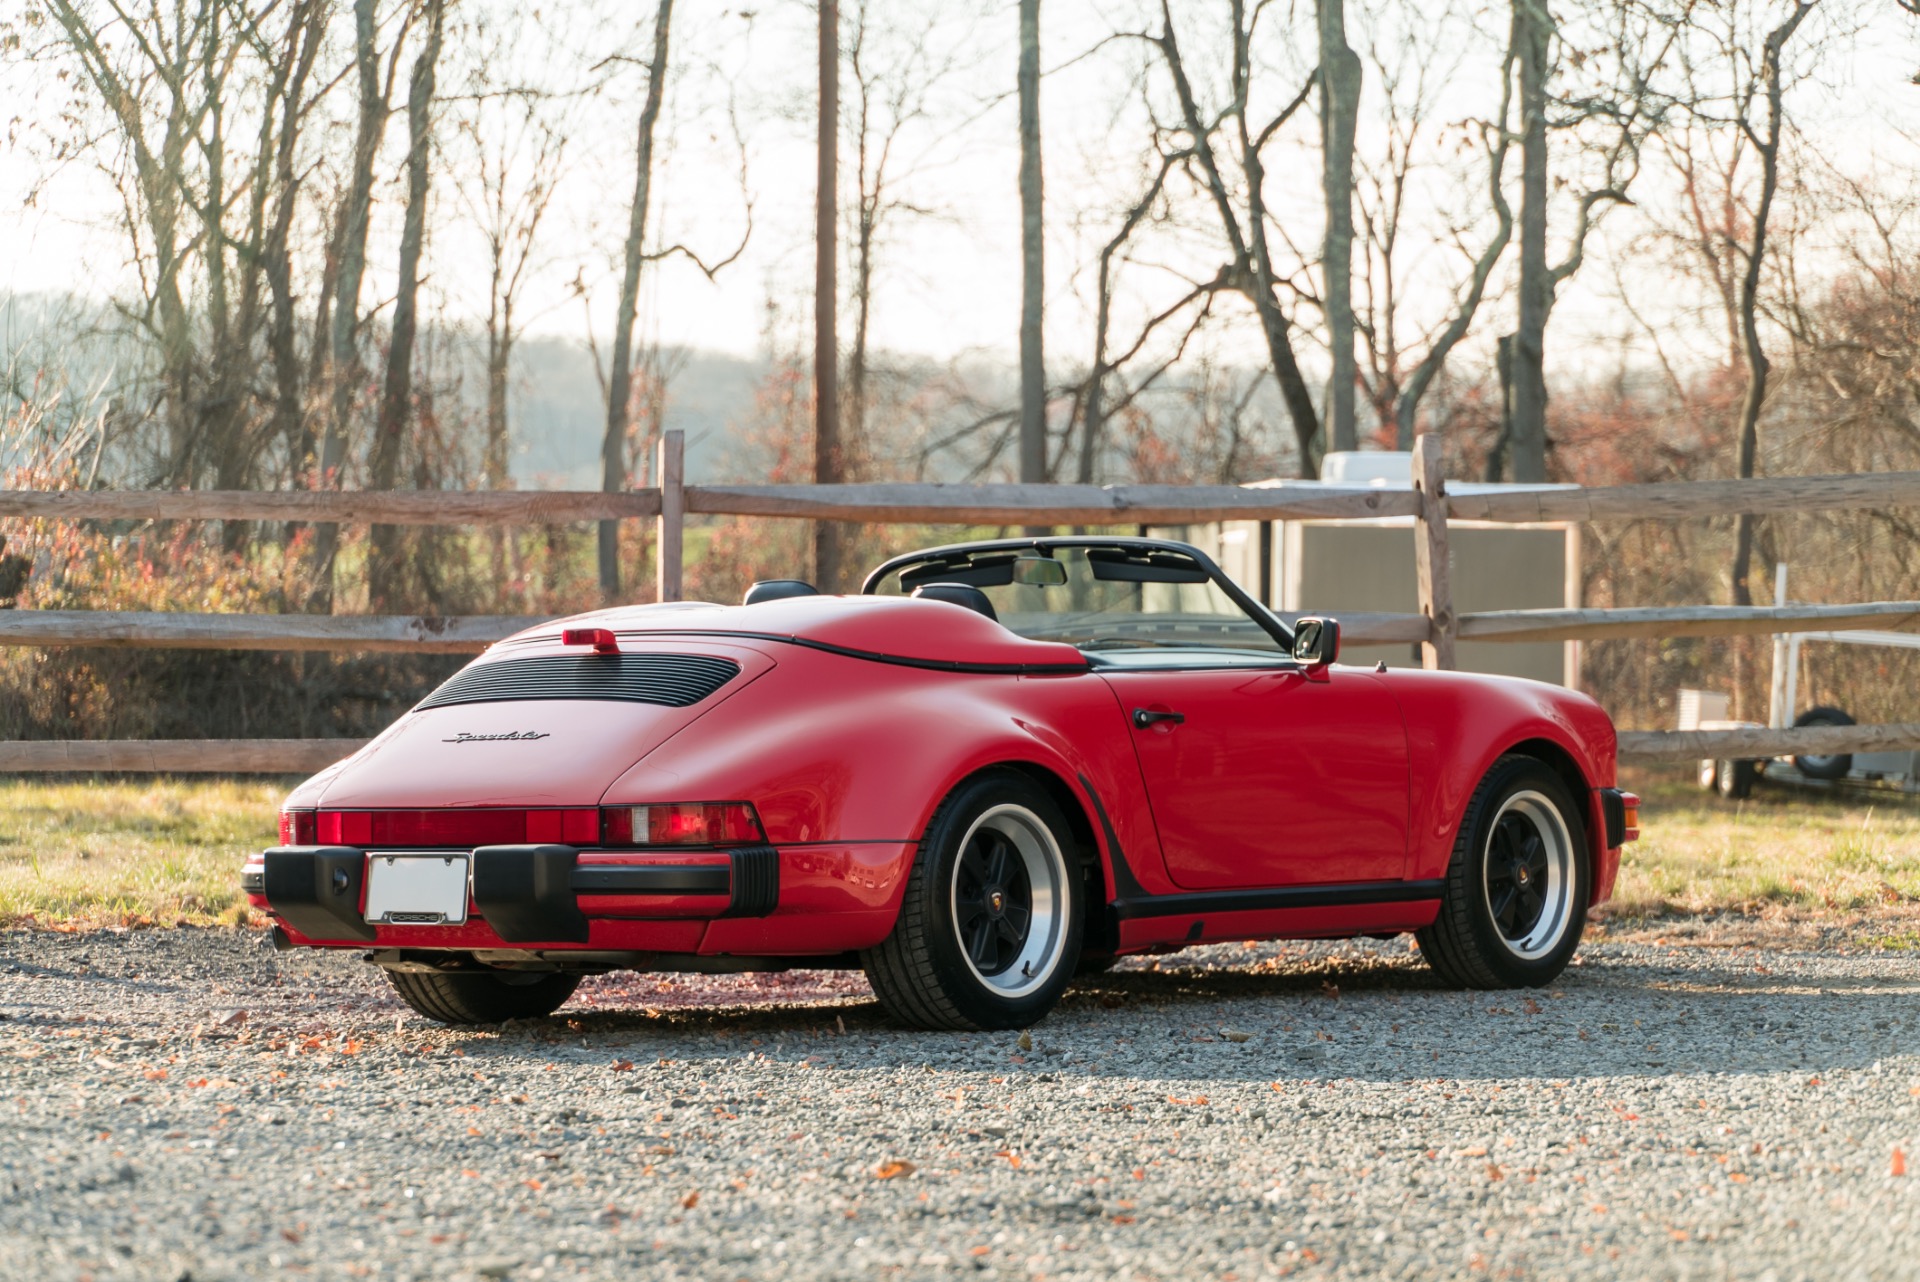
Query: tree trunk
613	447
826	297
1527	445
1033	370
344	369
1768	149
1340	78
396	400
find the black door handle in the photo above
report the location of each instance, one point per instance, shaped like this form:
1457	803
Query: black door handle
1143	718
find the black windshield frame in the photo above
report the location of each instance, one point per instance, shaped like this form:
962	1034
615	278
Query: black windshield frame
1256	613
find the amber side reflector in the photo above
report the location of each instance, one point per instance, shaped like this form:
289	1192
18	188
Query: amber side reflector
601	639
1632	805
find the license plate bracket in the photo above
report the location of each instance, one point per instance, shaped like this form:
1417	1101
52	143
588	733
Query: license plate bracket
409	888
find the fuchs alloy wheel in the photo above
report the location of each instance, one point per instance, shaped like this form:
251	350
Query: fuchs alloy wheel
989	928
483	996
1516	893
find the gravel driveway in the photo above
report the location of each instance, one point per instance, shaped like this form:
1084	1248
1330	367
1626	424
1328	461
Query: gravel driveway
188	1104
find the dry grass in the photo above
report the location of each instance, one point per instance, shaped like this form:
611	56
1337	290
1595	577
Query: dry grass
162	851
1780	850
141	852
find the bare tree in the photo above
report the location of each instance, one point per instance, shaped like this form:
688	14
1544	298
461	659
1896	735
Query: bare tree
1033	366
613	445
1340	81
396	399
1213	141
1765	136
827	469
349	250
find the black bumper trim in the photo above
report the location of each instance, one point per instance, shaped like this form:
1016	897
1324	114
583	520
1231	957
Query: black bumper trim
756	882
317	890
653	879
1613	806
526	893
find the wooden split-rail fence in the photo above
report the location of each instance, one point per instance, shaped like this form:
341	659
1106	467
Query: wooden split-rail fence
670	501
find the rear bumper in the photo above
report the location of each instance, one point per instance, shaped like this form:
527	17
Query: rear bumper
813	899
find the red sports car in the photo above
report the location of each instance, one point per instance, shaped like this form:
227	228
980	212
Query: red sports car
1001	764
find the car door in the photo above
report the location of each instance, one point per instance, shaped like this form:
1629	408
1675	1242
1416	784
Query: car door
1266	777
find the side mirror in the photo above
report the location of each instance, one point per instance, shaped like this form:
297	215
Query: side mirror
1316	643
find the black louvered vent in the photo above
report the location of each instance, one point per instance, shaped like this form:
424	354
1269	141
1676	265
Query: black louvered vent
673	680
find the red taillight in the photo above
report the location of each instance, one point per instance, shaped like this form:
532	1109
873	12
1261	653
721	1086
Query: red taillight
601	639
698	823
1632	805
298	828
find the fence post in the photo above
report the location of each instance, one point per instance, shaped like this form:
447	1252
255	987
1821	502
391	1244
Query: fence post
1430	552
670	475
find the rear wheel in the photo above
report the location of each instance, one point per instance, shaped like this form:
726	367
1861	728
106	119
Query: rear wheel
1832	765
483	996
989	928
1516	892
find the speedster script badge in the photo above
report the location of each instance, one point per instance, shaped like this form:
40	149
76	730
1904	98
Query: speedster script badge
522	735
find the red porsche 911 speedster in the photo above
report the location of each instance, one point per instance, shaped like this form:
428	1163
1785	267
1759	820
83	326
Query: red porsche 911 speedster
1000	765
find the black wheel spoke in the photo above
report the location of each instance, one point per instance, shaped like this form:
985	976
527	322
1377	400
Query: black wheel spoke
1014	922
980	943
1502	905
973	865
999	860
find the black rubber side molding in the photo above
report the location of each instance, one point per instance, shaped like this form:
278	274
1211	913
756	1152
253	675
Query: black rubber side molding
526	893
1231	901
317	890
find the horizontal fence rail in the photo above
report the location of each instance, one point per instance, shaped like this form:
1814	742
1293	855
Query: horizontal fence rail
334	507
1436	628
1754	743
1686	500
126	629
175	756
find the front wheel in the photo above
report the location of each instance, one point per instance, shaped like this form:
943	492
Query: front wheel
1516	892
989	928
483	996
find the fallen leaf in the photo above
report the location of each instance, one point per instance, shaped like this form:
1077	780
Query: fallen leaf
1235	1035
690	1201
1330	988
1495	1173
980	1250
535	1185
1013	1159
1026	1040
623	1066
893	1170
1899	1162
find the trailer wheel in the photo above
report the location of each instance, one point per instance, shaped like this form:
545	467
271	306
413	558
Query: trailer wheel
1735	779
1833	765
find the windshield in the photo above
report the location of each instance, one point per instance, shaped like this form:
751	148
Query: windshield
1096	598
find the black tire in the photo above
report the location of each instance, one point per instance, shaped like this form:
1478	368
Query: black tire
1833	765
1735	779
959	957
1527	941
483	996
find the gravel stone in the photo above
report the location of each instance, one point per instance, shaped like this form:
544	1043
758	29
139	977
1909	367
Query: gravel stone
1664	1111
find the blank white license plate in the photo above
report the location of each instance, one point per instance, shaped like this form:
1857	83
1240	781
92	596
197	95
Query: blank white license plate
416	890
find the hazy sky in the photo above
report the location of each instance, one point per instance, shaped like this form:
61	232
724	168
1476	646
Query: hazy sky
950	276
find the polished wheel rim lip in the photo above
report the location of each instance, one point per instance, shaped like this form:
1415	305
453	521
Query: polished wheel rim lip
1007	900
1527	880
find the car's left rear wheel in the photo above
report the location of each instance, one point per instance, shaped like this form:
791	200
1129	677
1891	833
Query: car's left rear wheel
483	996
989	929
